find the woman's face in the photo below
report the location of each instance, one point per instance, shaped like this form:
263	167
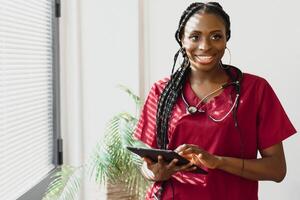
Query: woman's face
204	40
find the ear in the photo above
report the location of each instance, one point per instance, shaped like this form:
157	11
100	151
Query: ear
183	44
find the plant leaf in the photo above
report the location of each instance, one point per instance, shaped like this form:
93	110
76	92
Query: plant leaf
110	161
65	183
136	99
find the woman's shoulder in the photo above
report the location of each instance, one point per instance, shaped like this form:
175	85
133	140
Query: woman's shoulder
253	79
255	83
159	85
162	82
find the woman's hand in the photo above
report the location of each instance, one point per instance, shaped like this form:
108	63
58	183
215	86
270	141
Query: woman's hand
163	171
198	156
271	165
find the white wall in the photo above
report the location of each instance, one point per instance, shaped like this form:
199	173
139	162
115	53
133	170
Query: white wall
99	42
100	49
265	41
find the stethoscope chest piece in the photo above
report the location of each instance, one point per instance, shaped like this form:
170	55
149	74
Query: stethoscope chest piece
191	109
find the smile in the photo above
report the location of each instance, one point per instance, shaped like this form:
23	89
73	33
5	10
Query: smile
204	59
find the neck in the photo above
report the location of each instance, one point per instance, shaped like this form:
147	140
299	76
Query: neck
204	82
217	75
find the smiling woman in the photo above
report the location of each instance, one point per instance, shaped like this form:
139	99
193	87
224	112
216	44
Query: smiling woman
204	40
252	118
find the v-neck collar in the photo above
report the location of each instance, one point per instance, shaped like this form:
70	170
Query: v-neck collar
192	99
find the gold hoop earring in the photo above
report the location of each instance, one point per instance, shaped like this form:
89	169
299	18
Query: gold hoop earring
229	55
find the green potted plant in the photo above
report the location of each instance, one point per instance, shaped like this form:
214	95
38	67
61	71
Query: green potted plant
111	163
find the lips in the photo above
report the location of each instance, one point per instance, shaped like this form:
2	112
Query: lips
204	59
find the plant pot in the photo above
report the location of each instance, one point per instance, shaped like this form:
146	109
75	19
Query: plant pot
118	192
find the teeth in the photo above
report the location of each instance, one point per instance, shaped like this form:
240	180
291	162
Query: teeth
205	58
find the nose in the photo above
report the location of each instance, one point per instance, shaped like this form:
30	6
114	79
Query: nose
204	45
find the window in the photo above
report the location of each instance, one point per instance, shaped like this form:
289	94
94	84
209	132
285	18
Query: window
29	100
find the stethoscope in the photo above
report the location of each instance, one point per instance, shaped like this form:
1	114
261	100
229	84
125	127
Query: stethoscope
193	109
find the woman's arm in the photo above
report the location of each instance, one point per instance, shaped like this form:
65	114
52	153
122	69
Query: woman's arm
271	166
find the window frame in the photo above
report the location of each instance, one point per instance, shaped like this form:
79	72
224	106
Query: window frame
37	192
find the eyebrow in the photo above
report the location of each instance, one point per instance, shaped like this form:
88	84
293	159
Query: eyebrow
199	32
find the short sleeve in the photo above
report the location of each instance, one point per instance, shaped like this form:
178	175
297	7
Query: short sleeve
273	123
146	127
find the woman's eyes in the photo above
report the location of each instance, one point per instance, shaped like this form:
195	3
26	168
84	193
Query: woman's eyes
214	37
194	38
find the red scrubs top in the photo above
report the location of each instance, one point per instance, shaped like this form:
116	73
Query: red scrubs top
262	123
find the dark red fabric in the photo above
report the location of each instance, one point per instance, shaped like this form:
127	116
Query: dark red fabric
262	123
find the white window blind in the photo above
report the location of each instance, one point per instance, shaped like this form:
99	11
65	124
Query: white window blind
26	89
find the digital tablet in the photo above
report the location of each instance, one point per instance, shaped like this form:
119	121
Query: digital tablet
168	156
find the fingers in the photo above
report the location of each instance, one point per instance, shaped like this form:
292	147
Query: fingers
187	167
189	157
162	170
200	156
160	160
150	164
181	148
173	167
190	148
172	164
198	159
147	160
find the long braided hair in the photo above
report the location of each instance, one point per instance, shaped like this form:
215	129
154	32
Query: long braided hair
174	86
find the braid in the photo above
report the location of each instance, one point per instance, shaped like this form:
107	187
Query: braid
166	102
174	86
